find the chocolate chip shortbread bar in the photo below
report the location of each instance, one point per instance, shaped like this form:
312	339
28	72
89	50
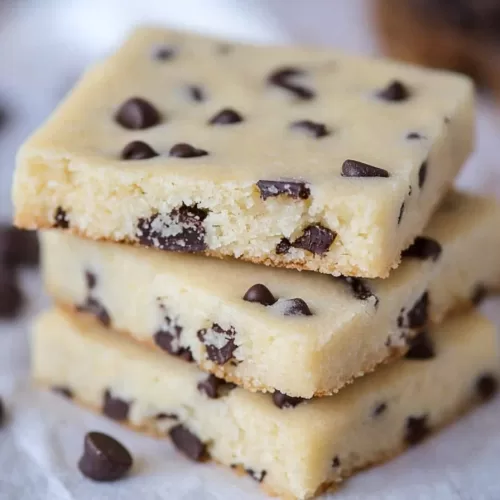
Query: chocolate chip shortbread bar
294	157
301	334
270	437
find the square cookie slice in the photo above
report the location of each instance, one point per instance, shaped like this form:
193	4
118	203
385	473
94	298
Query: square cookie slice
302	334
303	158
271	438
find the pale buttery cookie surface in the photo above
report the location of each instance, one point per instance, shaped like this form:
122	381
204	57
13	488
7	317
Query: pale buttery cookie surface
294	157
271	437
255	326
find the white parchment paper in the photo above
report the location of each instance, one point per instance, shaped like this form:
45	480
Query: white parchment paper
43	48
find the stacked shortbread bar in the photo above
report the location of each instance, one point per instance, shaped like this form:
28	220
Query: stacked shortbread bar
179	149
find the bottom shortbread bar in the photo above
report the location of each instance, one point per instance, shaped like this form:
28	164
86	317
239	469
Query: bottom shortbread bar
295	448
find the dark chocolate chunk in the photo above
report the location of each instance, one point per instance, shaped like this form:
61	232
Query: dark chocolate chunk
261	294
394	92
423	248
284	401
479	294
168	336
401	213
63	391
137	114
93	306
184	150
256	475
214	387
355	168
222	352
314	129
284	78
416	430
295	307
422	174
187	443
336	461
61	219
283	246
166	416
190	232
114	407
90	280
185	354
379	409
138	150
104	458
293	189
421	347
418	315
316	239
196	93
11	297
226	116
414	136
18	247
164	53
359	288
486	386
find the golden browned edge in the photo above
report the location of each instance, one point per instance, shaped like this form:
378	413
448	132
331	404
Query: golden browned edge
149	429
250	384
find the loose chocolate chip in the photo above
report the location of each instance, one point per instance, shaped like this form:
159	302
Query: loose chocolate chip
184	150
214	387
258	476
182	230
401	213
137	114
226	116
416	430
166	416
422	174
417	317
336	461
283	246
479	294
11	297
62	390
104	458
294	189
90	280
414	136
486	386
261	294
219	343
115	408
283	77
196	93
164	53
284	401
421	347
293	307
18	247
187	443
316	239
313	129
138	150
423	248
355	168
395	92
379	409
61	219
359	288
93	306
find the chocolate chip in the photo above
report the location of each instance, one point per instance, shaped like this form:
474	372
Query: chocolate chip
104	458
61	219
224	48
395	92
414	136
93	306
479	294
168	336
257	476
219	343
63	391
115	408
401	213
11	297
283	78
355	168
416	430
410	191
422	174
196	93
486	386
187	443
214	387
316	239
90	280
423	248
18	247
314	129
166	416
421	347
138	150
137	114
293	307
379	409
294	189
184	150
336	461
226	116
164	53
283	246
185	354
418	315
182	230
261	294
284	401
359	288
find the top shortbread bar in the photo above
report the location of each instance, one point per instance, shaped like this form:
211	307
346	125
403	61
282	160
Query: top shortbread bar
292	157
